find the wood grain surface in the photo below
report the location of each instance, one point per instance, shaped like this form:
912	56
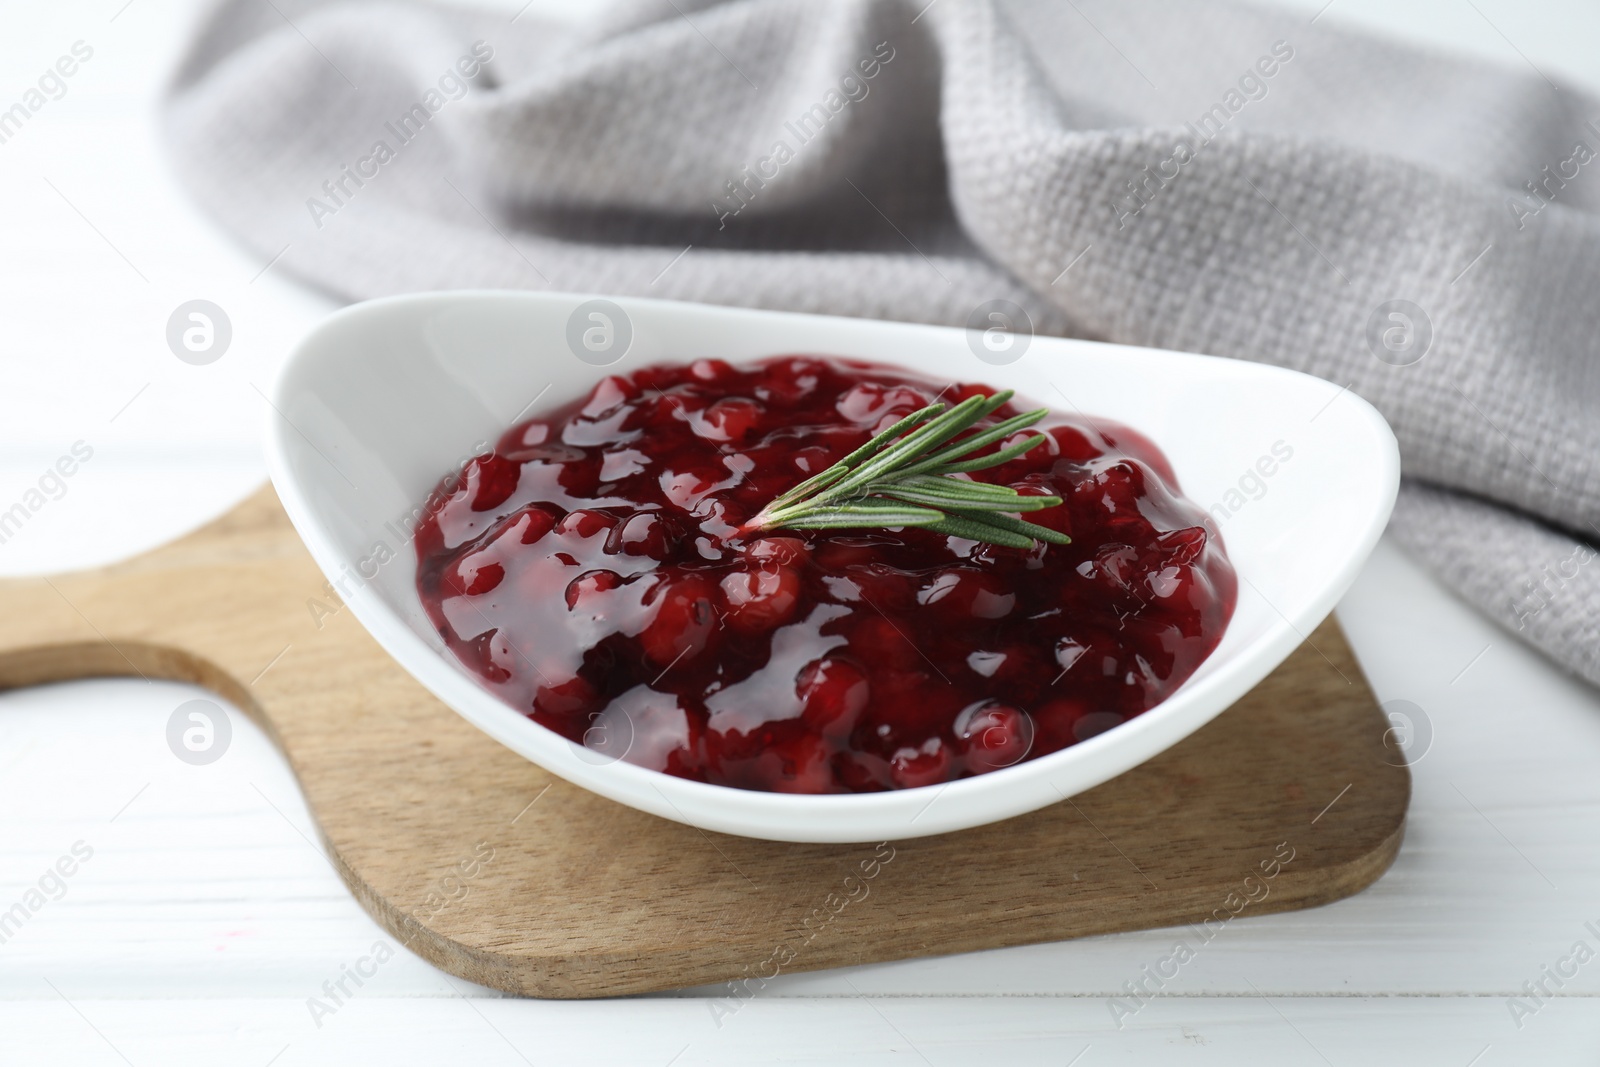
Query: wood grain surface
501	873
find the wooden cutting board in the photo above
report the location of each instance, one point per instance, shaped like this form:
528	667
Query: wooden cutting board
501	873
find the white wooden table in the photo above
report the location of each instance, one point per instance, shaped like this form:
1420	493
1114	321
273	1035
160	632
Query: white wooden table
205	919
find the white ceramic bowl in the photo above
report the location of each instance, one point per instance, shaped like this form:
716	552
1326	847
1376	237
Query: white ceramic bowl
384	398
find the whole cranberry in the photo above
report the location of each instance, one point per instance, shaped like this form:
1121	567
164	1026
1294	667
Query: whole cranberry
1114	490
994	735
686	488
928	764
879	406
777	550
533	522
586	587
711	370
684	623
644	533
585	523
1075	444
834	692
965	592
789	381
729	420
760	598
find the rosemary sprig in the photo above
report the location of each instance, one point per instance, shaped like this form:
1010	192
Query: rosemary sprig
905	476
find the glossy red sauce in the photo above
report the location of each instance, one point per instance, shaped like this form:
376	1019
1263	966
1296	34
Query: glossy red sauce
591	573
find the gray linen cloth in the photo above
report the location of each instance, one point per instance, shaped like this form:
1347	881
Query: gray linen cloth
1198	176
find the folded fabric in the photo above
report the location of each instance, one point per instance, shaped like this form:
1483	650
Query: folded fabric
1199	176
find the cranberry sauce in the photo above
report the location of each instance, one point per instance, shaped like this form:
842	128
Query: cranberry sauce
591	571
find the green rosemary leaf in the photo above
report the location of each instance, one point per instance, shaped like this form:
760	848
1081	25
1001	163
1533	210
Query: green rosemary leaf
930	434
1022	526
863	513
955	503
816	482
828	477
960	494
881	441
993	459
934	433
958	487
997	432
978	530
906	476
